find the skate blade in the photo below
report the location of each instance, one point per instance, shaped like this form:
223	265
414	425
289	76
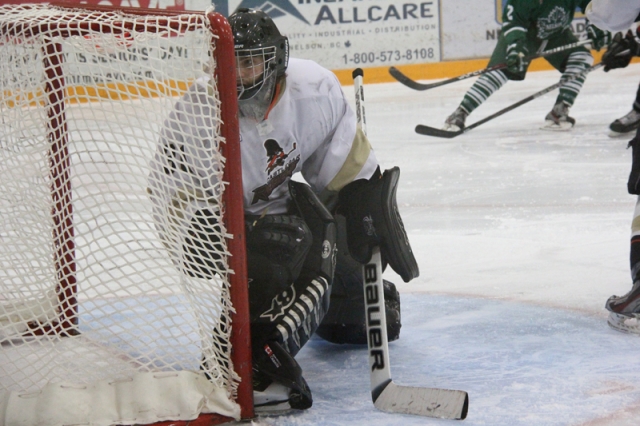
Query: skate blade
274	410
613	134
273	400
556	127
624	323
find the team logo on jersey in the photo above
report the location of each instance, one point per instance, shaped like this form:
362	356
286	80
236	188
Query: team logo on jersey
279	304
276	154
280	167
557	19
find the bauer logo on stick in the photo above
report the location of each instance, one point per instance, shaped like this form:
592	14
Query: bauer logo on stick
372	300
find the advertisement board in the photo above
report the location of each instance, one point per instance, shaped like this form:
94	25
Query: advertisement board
344	34
149	4
373	34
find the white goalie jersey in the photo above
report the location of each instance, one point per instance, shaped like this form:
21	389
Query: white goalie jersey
613	15
309	129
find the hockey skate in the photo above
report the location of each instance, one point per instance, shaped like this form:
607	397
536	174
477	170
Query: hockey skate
278	385
625	124
558	118
624	311
455	122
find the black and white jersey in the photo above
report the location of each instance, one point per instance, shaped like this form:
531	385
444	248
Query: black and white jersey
310	129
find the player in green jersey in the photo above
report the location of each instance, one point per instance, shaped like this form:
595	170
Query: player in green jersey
530	27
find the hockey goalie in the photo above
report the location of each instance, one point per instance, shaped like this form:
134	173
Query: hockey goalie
305	241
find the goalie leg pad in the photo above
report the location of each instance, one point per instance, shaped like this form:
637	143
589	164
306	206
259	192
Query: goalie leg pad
290	314
373	218
284	319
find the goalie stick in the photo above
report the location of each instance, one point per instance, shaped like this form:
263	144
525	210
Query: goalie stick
398	75
440	133
387	395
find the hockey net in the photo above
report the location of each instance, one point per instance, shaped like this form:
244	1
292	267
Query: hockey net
99	324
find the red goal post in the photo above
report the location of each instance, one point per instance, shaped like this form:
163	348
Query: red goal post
86	92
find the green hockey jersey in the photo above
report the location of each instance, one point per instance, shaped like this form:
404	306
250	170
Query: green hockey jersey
543	19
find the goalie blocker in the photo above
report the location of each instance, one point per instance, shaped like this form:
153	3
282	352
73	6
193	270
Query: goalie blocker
367	216
373	219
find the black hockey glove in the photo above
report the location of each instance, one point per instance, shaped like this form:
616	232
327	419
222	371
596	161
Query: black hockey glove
516	57
620	51
277	246
373	219
633	184
599	38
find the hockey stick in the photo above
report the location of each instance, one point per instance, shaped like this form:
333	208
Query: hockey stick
432	131
398	75
388	396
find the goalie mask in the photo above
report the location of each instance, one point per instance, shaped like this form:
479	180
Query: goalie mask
262	54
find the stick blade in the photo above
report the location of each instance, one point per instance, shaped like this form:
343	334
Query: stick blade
410	83
432	131
429	402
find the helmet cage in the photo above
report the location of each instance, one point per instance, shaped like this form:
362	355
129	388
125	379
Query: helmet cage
253	68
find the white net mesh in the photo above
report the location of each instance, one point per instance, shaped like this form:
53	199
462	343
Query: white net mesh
89	291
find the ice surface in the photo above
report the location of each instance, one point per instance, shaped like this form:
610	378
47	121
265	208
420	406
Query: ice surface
521	235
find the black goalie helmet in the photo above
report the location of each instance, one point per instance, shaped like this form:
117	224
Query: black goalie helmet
262	53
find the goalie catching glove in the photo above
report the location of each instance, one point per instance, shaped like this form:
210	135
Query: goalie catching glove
373	219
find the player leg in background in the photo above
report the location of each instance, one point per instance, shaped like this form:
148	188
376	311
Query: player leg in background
486	85
625	310
569	63
628	122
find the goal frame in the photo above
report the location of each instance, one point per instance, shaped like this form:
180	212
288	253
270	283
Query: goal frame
61	191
